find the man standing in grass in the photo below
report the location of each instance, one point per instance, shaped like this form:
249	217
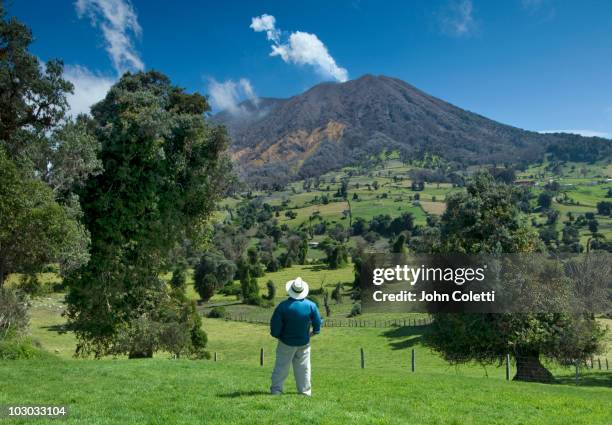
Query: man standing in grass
291	324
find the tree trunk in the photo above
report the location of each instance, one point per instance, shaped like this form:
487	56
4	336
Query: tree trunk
530	369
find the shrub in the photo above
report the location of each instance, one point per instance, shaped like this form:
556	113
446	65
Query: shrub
271	290
604	208
199	339
231	288
250	289
337	294
29	284
139	338
355	310
13	313
175	337
273	265
19	349
172	325
336	253
179	278
217	313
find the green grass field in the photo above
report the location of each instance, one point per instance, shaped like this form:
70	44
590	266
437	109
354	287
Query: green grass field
233	390
183	392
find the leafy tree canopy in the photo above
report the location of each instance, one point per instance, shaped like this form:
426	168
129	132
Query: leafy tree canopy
485	219
164	169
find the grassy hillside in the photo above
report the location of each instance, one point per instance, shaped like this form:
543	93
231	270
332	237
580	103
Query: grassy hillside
234	389
582	187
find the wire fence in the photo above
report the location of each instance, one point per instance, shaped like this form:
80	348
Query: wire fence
344	323
579	372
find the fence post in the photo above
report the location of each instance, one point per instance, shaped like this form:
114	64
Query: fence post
261	357
362	359
413	360
215	356
507	367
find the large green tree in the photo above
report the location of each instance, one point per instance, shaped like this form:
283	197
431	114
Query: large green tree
485	219
43	157
212	273
164	169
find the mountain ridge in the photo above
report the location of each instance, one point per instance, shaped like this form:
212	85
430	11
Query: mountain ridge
333	124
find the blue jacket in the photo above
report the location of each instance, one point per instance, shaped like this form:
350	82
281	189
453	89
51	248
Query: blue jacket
292	319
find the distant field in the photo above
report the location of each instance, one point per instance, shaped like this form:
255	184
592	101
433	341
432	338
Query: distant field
584	185
436	208
371	208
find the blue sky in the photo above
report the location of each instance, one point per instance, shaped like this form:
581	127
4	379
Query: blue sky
535	64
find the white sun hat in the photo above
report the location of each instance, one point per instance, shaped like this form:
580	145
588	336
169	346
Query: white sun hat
297	288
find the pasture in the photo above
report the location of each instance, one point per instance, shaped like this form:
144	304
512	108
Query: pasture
233	390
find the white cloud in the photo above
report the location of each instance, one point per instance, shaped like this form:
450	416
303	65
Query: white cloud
266	23
301	48
585	133
227	95
119	23
89	88
458	19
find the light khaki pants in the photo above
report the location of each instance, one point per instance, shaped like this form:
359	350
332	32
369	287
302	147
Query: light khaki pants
286	355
